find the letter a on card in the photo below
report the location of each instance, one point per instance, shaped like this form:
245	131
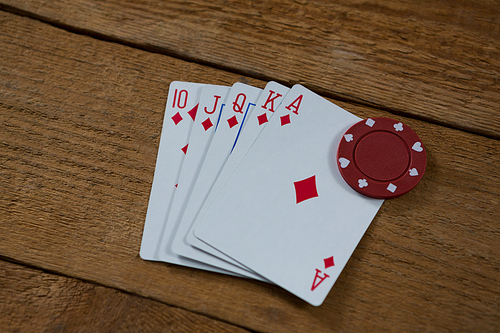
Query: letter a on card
318	279
295	105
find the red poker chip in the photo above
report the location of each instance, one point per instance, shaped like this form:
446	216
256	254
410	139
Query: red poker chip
381	158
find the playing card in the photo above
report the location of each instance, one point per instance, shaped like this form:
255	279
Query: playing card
239	104
180	113
300	222
209	112
266	106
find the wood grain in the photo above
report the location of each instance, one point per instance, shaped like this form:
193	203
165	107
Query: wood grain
81	121
432	60
35	301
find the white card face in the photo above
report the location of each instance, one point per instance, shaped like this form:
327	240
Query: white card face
300	221
182	99
180	114
239	106
269	101
209	109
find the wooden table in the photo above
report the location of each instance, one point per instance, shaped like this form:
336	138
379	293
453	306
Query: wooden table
83	85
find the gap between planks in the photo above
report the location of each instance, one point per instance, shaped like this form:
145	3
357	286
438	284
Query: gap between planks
252	74
34	299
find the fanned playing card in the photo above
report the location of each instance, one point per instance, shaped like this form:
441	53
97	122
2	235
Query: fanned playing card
179	116
238	107
297	222
269	101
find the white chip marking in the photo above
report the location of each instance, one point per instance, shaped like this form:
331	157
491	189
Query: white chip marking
344	162
417	146
362	183
398	127
370	122
391	187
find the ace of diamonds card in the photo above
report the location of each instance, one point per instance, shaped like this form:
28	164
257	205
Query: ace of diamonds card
300	222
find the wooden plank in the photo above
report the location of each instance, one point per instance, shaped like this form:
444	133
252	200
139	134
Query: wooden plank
432	60
35	301
81	120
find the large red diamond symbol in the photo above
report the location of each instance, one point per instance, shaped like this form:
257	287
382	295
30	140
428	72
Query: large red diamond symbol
305	189
329	262
207	123
285	119
262	119
177	118
185	148
192	112
232	121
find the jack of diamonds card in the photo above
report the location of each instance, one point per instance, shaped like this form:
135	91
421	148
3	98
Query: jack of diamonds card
238	107
300	222
209	113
